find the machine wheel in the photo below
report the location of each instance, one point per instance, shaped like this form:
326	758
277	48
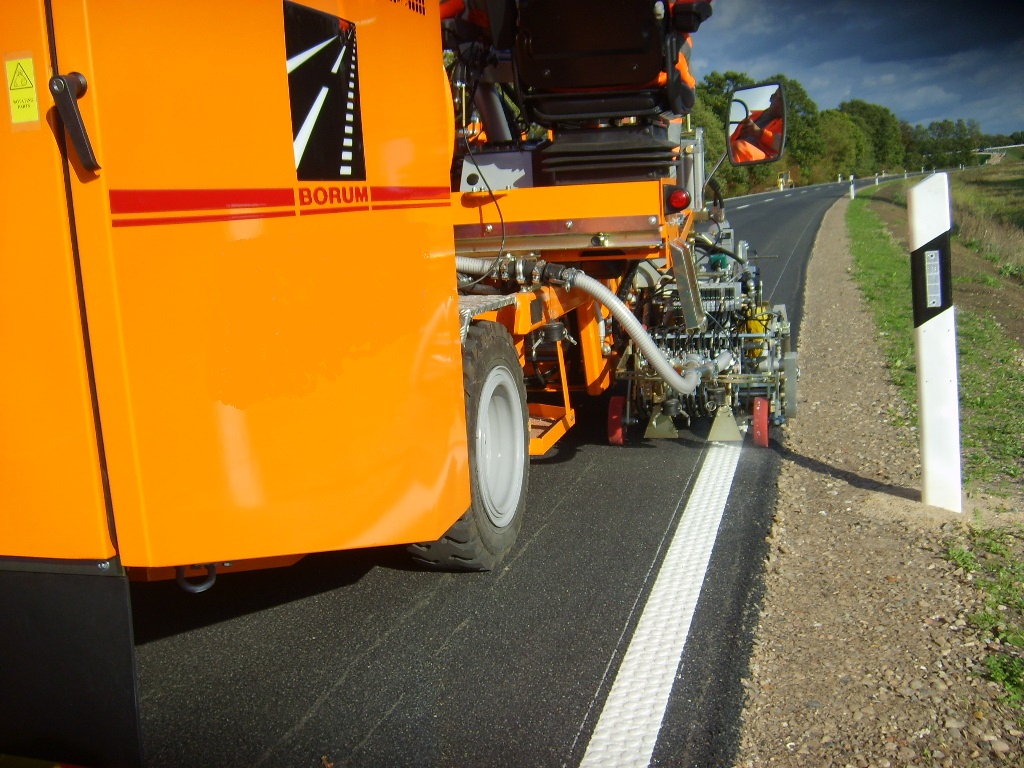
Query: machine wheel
616	412
760	422
498	429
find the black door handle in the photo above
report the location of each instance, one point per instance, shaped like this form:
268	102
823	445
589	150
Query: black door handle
67	90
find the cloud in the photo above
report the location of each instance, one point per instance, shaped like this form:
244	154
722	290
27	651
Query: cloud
924	61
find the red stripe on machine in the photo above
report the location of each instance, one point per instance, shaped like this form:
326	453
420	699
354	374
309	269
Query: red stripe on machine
168	200
148	222
348	209
407	194
377	207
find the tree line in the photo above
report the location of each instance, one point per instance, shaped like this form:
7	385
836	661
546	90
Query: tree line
858	138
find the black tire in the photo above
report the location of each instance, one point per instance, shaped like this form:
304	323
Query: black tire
499	456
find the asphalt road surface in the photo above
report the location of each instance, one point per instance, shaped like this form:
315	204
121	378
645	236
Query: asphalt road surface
360	659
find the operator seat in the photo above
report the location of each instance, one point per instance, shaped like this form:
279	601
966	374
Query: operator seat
596	86
571	70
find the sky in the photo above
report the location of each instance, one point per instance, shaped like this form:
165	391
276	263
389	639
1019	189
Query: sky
925	61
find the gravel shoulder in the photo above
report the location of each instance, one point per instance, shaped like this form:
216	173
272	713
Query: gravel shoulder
862	655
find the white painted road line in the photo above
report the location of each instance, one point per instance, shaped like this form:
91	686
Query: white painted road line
300	58
337	61
628	728
741	207
308	124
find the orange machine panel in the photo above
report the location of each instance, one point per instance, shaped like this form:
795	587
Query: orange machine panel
609	202
268	266
51	494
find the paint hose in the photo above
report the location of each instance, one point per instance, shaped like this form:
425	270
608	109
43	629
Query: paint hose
684	383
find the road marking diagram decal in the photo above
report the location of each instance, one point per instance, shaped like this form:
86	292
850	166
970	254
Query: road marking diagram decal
323	89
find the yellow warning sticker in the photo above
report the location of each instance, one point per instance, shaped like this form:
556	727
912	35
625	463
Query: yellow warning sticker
21	90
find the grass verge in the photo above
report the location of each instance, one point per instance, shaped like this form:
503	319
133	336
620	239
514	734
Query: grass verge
991	375
990	363
988	207
994	560
988	213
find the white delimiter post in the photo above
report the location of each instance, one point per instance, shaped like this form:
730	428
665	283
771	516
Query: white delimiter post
935	342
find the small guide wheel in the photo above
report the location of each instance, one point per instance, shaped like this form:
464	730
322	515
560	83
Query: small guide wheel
616	409
761	422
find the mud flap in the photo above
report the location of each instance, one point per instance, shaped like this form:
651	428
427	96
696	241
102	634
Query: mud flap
67	675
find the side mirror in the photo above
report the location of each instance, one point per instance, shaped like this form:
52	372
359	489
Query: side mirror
757	124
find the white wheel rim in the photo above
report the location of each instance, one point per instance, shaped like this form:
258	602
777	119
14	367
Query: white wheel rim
500	446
